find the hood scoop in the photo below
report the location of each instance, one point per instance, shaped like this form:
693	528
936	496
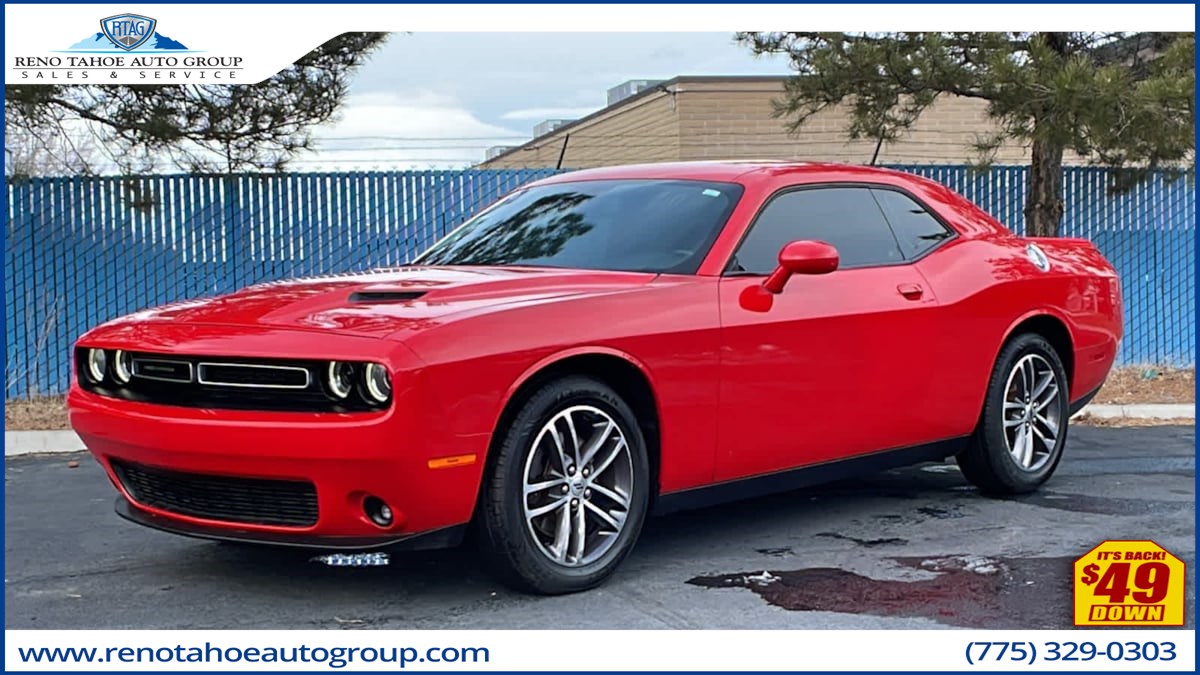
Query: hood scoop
377	297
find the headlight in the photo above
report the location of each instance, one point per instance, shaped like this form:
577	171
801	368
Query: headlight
122	366
340	378
378	383
97	364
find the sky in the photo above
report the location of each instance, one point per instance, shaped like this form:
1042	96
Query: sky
433	100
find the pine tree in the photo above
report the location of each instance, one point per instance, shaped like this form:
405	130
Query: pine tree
1120	100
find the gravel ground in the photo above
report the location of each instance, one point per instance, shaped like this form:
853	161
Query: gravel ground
911	548
35	414
1149	384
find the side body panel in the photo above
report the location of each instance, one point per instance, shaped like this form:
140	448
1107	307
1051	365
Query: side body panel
838	366
863	371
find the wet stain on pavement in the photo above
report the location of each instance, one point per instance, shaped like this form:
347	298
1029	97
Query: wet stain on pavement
869	543
967	591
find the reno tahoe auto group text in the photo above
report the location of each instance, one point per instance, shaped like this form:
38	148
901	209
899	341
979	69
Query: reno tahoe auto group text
155	67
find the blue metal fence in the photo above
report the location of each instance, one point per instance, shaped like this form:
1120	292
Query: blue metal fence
79	251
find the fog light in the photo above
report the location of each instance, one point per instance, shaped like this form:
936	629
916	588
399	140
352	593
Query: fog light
97	364
379	512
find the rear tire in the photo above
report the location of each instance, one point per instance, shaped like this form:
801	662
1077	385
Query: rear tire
1023	427
564	499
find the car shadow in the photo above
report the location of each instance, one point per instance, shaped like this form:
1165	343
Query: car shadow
915	493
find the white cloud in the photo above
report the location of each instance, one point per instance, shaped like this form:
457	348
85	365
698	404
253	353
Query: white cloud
539	114
494	74
386	131
495	86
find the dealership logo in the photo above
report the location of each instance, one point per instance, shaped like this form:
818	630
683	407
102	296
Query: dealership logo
128	49
128	31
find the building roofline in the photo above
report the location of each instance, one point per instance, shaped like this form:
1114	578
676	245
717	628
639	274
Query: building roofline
645	93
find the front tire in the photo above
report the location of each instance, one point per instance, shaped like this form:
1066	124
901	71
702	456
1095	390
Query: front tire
564	500
1023	428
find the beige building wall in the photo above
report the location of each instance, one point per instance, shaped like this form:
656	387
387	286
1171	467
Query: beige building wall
731	118
642	129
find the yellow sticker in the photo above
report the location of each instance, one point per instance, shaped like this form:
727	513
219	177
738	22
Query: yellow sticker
1129	583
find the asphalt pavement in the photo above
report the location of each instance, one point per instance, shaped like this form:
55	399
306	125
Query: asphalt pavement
910	548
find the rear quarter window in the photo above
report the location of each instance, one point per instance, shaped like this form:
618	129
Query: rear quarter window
916	229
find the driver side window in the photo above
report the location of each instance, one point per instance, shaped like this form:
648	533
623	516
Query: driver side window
847	217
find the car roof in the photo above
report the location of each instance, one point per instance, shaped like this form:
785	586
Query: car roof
727	171
774	174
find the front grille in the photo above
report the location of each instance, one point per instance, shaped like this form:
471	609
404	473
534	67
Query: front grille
163	370
252	375
229	383
254	501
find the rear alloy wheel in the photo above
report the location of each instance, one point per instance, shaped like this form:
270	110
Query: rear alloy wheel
565	498
1033	417
1023	428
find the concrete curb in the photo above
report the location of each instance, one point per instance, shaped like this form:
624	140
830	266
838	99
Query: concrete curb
1142	411
34	442
37	442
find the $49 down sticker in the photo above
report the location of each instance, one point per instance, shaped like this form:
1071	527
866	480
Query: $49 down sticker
1129	583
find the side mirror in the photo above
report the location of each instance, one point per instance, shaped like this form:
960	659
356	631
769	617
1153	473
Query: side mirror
801	257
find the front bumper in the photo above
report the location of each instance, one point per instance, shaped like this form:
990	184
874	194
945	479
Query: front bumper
346	457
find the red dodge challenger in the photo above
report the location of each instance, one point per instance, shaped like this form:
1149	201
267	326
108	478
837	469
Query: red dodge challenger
599	345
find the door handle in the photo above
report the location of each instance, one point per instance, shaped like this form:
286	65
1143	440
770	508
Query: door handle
911	291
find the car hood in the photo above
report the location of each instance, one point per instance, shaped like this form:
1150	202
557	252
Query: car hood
383	302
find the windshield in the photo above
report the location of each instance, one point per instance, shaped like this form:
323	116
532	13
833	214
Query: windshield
664	226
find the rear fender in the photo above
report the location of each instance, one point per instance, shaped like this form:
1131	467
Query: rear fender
1091	307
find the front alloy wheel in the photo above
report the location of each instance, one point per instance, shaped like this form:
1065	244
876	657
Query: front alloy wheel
567	490
578	482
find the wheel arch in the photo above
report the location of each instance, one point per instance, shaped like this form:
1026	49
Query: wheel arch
1055	330
628	376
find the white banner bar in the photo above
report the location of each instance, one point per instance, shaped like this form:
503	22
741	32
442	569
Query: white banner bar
598	651
243	44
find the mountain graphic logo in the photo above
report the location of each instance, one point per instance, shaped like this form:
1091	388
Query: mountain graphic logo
127	33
